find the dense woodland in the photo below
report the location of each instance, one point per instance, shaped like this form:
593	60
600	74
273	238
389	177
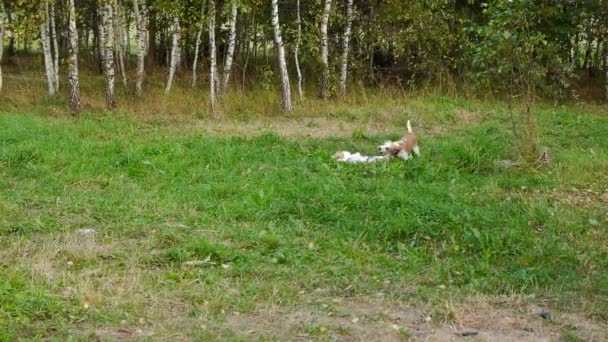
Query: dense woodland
519	49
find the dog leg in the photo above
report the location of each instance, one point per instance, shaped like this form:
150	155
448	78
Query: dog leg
416	150
403	155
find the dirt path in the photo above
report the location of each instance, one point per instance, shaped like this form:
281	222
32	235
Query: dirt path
374	319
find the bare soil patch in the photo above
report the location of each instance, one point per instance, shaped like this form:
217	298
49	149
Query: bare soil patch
374	319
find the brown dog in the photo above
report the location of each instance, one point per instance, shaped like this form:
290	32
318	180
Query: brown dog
404	147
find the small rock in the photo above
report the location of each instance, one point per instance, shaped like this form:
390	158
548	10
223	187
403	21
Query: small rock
428	319
86	231
70	263
355	320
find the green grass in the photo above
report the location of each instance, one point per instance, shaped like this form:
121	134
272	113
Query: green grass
270	220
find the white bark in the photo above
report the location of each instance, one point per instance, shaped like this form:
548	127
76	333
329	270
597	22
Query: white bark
212	57
195	62
75	102
345	46
55	46
141	48
108	16
2	32
231	43
118	24
46	50
296	52
102	35
199	35
174	54
325	49
278	40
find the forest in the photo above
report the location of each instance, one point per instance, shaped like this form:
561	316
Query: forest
318	48
168	170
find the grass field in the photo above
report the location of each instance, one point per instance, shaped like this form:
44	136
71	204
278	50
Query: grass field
116	228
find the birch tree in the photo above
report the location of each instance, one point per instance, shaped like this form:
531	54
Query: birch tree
212	57
55	45
45	40
141	47
102	36
108	39
199	35
231	44
120	46
175	55
75	102
2	31
345	46
296	51
278	40
325	50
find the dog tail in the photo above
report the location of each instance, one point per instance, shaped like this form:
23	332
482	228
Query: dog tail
409	127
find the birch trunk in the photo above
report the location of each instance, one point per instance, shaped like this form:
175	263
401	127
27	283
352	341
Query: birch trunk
75	102
46	49
174	54
118	25
102	36
345	47
195	62
2	32
199	35
212	57
325	50
108	39
141	48
278	40
55	46
296	51
231	43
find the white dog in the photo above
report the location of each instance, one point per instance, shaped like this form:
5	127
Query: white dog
354	158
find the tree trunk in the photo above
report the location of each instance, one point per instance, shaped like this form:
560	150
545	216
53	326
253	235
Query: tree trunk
118	25
231	43
75	102
46	49
2	32
108	39
345	47
278	40
296	51
325	50
101	29
212	57
199	35
55	46
141	48
195	62
174	54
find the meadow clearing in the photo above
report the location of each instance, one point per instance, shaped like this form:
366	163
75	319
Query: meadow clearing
125	225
